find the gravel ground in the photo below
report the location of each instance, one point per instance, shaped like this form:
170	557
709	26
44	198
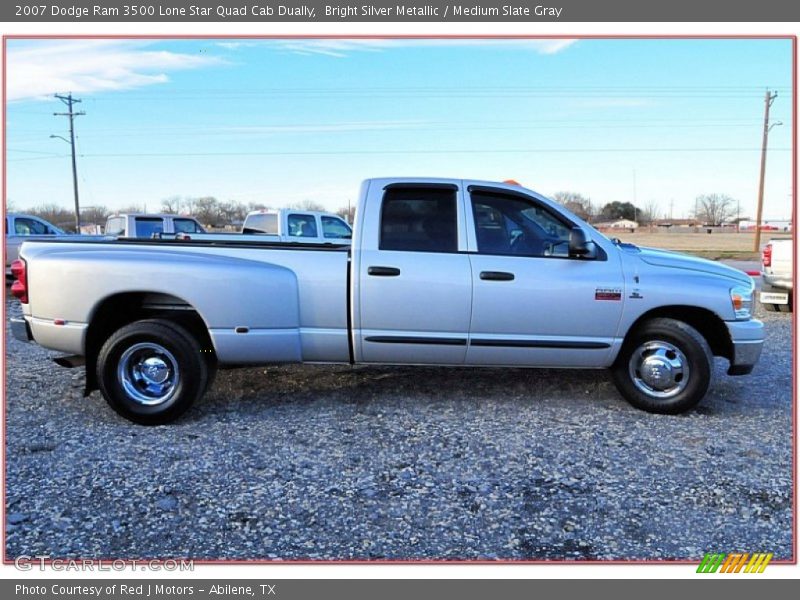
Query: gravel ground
400	463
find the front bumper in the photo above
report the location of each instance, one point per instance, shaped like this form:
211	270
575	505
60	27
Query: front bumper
747	340
20	329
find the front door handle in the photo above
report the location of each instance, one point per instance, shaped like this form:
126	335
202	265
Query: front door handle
383	271
497	276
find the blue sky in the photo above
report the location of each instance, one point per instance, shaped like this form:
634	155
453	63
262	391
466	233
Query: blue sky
281	121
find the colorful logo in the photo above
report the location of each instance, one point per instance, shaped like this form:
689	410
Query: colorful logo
735	563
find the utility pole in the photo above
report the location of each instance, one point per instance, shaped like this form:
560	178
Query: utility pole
768	100
69	101
738	228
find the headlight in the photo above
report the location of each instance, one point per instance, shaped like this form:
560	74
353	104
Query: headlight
742	300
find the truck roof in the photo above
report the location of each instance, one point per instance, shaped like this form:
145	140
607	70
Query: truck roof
153	215
507	184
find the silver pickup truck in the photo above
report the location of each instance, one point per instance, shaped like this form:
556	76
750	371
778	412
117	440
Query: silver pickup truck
440	272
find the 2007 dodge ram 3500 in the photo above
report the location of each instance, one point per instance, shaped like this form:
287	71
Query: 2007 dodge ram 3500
440	272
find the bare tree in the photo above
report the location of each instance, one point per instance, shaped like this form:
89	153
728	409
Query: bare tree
576	203
188	205
649	212
206	210
171	205
94	215
131	208
307	205
714	209
55	214
348	213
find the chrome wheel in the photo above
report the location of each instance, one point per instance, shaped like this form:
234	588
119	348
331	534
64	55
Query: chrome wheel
659	369
148	373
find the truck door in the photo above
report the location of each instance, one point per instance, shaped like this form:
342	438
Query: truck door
533	305
414	286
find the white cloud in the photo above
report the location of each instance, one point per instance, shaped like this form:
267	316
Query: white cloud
40	69
340	48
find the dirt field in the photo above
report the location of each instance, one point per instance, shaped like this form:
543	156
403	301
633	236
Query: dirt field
709	245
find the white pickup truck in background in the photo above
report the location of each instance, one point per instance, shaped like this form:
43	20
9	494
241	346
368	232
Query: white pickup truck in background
776	275
144	225
285	225
298	225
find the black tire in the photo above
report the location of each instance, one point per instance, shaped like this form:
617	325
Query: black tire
663	344
136	356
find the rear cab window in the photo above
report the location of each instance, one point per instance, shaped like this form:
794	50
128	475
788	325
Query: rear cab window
419	219
261	223
147	226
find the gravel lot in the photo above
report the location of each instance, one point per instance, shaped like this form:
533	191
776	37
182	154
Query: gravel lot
401	463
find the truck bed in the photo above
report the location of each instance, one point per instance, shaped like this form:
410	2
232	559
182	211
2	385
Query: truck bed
292	308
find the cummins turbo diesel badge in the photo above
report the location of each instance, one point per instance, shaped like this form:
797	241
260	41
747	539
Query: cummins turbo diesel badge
608	294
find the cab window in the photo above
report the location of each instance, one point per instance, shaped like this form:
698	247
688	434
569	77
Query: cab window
335	228
302	225
146	227
419	219
512	225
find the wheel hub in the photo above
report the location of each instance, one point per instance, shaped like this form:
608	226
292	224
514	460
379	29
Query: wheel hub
148	373
657	372
659	369
154	370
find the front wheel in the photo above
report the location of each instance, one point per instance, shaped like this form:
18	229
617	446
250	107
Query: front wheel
151	371
665	367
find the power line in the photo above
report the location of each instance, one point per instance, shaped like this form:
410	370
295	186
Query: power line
69	101
543	150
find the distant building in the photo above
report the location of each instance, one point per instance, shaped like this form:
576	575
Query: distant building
767	225
619	224
677	223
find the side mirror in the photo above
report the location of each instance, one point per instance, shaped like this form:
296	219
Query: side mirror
580	246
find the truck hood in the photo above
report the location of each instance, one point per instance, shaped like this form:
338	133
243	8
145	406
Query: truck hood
676	260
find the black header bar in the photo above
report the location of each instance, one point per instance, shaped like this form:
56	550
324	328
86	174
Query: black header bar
393	11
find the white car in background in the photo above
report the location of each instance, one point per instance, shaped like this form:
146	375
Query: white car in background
21	227
776	274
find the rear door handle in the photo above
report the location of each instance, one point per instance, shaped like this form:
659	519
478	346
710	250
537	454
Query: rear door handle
496	276
383	271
